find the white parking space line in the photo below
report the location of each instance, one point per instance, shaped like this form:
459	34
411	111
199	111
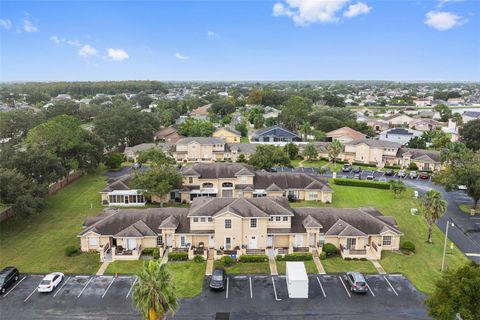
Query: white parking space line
30	295
89	280
321	287
131	287
275	290
63	285
344	286
82	276
251	291
111	282
6	294
391	286
370	288
226	292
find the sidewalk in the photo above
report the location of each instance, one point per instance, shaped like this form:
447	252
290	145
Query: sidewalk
318	263
273	267
378	266
103	268
209	269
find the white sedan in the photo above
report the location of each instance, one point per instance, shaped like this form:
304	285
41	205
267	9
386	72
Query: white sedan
50	282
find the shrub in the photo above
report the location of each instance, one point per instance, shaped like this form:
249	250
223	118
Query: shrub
408	246
330	249
412	166
298	256
361	183
227	261
347	258
253	258
392	167
370	165
198	258
323	255
156	253
177	256
148	251
363	259
71	251
113	160
280	258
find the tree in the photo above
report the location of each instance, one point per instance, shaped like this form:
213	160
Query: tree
456	293
222	107
292	150
142	99
306	129
334	149
397	187
470	134
14	125
242	128
268	156
445	112
255	97
158	181
294	112
196	128
417	143
333	100
433	207
310	152
114	160
156	157
457	118
154	294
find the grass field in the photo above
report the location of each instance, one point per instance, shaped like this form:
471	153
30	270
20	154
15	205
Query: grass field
37	243
324	163
422	268
245	267
465	208
309	266
187	276
337	264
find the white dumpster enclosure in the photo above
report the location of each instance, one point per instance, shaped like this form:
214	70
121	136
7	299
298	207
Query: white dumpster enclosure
297	280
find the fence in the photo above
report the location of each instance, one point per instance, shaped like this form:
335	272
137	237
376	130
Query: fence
54	187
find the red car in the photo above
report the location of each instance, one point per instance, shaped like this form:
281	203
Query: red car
424	175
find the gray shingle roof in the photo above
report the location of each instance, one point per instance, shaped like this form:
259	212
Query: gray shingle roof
284	180
217	170
375	143
420	154
201	140
276	131
243	148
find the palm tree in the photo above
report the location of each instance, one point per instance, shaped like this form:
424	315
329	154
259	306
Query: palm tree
153	294
433	208
334	150
305	129
397	186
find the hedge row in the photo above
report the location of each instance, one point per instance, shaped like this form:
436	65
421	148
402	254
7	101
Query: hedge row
361	183
296	256
392	167
178	256
364	164
253	258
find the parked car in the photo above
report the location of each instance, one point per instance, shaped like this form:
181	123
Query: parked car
462	187
347	167
217	282
356	282
389	172
8	276
357	170
413	175
370	177
50	282
424	175
402	173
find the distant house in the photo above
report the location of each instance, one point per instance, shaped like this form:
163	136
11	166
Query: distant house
229	134
399	119
470	115
131	153
423	102
344	134
62	97
275	134
201	113
169	134
424	124
456	102
198	149
400	135
377	124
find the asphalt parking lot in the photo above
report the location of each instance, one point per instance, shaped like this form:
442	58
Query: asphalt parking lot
245	297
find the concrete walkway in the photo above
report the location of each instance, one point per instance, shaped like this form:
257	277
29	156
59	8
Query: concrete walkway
103	268
300	164
378	266
273	267
209	269
318	263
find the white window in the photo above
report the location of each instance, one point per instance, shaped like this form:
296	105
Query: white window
278	218
313	195
190	180
244	179
159	240
92	241
183	241
195	219
203	219
210	219
270	218
253	223
387	240
285	219
228	224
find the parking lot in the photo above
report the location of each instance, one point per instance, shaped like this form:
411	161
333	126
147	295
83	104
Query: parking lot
245	297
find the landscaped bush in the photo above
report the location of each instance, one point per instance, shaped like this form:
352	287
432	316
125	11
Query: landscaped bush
364	164
412	166
408	246
156	253
148	251
392	167
253	258
361	183
299	256
330	249
280	258
227	261
198	259
323	255
114	160
177	256
71	251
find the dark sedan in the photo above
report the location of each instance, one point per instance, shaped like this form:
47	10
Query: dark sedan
8	276
389	172
219	277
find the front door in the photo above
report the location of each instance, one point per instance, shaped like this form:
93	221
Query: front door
270	241
311	239
351	243
253	242
169	240
298	240
211	241
228	243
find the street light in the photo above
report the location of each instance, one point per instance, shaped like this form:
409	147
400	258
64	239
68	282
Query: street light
445	244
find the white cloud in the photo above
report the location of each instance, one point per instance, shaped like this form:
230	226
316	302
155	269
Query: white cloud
181	56
28	25
5	24
357	9
57	40
442	20
304	12
87	51
441	3
212	34
117	54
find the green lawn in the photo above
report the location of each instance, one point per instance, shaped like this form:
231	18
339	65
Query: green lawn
465	208
422	268
245	267
244	140
187	276
324	163
309	266
337	264
37	243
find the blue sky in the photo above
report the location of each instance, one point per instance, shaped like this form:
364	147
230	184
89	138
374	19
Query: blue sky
240	40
